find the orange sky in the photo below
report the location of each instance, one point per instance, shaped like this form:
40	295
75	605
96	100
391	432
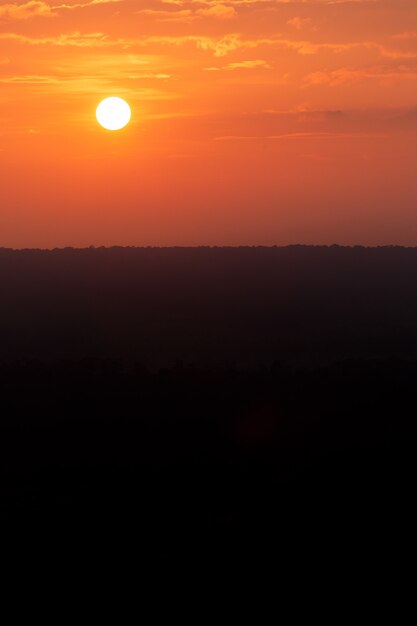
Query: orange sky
254	122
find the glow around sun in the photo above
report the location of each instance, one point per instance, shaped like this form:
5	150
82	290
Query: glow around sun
113	113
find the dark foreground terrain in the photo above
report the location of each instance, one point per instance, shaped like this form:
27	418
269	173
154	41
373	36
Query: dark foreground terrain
235	306
204	403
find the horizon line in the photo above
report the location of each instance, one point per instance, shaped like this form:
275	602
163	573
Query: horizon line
209	247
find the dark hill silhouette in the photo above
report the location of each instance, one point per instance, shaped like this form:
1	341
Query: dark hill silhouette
247	306
222	403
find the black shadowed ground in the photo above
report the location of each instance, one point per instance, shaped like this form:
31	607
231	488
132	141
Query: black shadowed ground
210	401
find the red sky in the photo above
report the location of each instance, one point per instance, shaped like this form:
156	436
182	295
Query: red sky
254	122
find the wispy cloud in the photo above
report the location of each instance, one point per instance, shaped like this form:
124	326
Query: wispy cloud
75	39
346	75
242	65
25	11
38	8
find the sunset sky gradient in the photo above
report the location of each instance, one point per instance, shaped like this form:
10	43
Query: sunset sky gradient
253	122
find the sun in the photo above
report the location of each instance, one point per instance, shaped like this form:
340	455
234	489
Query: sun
113	113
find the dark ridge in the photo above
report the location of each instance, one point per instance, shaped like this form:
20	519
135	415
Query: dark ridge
163	404
247	306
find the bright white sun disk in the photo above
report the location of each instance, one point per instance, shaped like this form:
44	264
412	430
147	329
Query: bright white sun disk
113	113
